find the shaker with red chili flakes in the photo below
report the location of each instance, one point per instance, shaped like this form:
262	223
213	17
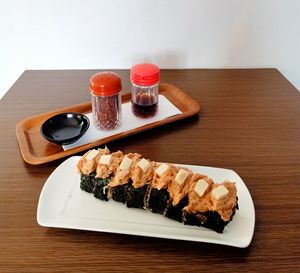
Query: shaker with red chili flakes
105	89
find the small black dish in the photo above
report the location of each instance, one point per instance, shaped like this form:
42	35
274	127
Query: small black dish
65	128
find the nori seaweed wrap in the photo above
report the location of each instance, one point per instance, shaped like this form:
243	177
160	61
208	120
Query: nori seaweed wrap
135	198
208	219
119	193
175	212
97	186
157	200
101	188
87	182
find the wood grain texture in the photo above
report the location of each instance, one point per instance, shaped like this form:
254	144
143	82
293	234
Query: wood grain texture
36	150
249	122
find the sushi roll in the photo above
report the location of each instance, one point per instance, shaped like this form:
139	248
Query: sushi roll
210	205
174	192
158	196
178	191
87	167
120	183
106	168
142	174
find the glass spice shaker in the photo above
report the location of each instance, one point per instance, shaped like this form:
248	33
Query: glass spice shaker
144	91
105	90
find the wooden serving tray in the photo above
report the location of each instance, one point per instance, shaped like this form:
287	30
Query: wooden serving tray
37	150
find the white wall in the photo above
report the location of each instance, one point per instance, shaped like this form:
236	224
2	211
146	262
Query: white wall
62	34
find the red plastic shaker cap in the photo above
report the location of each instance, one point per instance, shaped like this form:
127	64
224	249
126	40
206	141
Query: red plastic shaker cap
105	84
144	74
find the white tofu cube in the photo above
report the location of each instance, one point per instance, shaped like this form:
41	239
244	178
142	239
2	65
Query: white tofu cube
105	159
181	176
220	192
92	154
161	169
144	165
201	187
126	163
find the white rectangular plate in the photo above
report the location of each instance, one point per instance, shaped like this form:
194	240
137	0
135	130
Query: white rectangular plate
63	204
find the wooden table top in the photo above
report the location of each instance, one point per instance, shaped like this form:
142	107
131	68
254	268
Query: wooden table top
249	122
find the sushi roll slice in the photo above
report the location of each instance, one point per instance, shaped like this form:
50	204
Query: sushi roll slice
120	183
142	174
210	205
178	190
224	205
106	167
87	167
158	196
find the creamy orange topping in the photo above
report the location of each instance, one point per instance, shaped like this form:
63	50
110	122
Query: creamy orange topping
225	206
139	178
178	191
196	203
104	171
162	182
86	166
122	176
